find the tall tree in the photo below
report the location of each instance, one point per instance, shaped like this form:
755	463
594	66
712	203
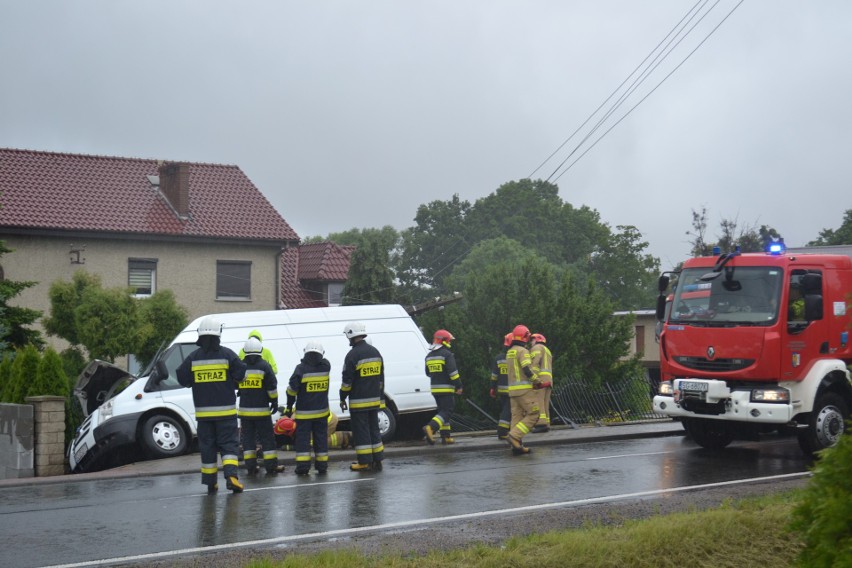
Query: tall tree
840	236
431	248
110	323
15	320
160	319
370	281
624	271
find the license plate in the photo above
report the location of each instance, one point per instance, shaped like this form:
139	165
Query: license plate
80	452
693	386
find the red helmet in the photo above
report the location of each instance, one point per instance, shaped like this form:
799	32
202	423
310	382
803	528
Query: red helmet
442	336
521	333
285	426
507	341
539	338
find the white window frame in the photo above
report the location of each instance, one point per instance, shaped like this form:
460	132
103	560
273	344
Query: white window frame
141	271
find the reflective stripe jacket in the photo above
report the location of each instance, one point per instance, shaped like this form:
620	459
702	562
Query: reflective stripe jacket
363	378
213	377
519	367
309	387
499	374
442	370
542	362
259	388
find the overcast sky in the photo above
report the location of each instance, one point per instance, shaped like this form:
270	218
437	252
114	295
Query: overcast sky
352	114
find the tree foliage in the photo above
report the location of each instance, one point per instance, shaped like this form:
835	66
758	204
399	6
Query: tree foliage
160	319
732	234
110	323
823	516
588	344
23	373
50	378
370	281
15	332
840	236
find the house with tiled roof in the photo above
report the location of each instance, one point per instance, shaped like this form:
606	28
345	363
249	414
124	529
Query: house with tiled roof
314	275
203	231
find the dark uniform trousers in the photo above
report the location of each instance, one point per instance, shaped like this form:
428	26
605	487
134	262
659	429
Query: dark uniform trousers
366	435
251	430
505	416
218	436
446	403
311	431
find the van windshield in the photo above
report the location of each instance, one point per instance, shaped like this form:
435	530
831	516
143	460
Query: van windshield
744	295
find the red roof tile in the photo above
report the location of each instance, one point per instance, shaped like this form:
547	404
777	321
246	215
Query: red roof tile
46	190
327	261
292	294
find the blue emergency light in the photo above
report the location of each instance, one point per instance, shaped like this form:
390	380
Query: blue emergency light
776	247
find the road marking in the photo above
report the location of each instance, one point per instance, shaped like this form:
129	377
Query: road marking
419	523
629	456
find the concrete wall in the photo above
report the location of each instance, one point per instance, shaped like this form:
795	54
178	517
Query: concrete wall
188	269
17	441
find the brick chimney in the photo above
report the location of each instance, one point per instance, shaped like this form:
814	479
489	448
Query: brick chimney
174	183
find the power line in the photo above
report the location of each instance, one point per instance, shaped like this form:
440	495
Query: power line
652	90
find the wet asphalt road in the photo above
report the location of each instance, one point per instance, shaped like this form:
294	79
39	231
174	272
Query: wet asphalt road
69	523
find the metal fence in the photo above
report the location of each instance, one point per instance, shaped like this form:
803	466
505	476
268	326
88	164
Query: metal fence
575	402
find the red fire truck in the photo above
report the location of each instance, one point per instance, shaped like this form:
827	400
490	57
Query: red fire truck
753	342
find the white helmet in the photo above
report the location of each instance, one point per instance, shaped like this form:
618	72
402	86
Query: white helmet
253	346
354	329
210	326
314	347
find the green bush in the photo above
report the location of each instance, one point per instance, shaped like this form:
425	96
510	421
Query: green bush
24	370
50	378
5	376
824	517
73	362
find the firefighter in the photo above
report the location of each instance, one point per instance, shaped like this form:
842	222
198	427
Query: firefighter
444	376
522	397
258	400
796	304
285	430
213	373
266	353
542	366
500	389
363	384
308	388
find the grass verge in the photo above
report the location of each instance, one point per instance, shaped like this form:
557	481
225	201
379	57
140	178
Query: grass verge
749	532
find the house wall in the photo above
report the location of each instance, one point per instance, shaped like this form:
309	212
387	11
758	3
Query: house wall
188	269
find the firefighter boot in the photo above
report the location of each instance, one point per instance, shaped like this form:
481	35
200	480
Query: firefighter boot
234	484
518	449
345	439
430	434
447	439
355	466
212	488
377	466
540	428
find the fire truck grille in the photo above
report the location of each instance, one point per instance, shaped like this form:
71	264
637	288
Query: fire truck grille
717	365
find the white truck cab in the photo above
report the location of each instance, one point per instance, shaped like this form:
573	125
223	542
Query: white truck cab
156	414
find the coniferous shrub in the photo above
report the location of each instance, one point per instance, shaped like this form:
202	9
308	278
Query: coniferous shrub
823	516
24	370
5	376
50	378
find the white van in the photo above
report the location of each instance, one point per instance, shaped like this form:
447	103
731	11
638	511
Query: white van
157	414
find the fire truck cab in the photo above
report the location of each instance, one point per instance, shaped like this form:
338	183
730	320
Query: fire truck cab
757	341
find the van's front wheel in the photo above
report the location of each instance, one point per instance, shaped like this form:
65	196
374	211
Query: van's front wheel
387	424
163	437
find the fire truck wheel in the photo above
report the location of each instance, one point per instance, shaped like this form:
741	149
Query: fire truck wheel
825	425
710	434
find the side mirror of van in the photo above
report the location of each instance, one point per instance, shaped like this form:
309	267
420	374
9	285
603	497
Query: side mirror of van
162	372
